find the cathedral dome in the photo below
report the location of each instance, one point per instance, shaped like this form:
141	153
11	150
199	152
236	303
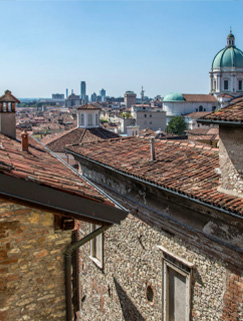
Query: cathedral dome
174	97
230	56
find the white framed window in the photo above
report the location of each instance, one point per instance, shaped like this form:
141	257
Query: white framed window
97	247
176	287
82	119
240	85
96	119
90	120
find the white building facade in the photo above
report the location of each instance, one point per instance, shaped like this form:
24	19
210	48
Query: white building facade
88	116
226	75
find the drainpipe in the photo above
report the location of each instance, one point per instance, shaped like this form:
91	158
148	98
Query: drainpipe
68	259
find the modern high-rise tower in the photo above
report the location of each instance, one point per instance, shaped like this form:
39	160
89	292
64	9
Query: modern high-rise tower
83	90
103	95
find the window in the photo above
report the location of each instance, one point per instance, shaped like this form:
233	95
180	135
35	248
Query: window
240	84
214	108
82	119
226	85
96	119
145	115
90	120
97	247
214	85
200	108
176	287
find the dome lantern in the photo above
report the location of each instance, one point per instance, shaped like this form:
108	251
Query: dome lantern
230	39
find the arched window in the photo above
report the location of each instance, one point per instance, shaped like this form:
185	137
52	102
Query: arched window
200	108
90	120
96	119
82	119
240	84
214	108
226	85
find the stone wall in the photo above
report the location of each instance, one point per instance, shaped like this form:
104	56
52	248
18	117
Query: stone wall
31	264
231	159
132	261
204	237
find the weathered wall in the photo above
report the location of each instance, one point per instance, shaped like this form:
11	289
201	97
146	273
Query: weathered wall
31	264
231	159
204	237
132	261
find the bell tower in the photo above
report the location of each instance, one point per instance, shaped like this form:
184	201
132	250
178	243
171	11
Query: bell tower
231	39
7	114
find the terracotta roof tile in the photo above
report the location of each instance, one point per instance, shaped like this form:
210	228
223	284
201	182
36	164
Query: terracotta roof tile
180	167
199	98
88	107
232	113
40	166
75	136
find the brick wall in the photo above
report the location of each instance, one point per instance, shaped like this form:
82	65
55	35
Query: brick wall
31	264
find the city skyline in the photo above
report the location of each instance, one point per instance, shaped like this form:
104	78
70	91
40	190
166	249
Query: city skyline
119	46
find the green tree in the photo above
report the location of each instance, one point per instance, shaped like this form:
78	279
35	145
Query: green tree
177	125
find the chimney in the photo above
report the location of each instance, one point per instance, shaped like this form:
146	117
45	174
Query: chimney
24	141
7	114
152	149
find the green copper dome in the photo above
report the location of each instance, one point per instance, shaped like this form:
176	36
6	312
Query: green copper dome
174	97
228	57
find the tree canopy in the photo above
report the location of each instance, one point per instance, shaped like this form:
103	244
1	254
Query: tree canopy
177	125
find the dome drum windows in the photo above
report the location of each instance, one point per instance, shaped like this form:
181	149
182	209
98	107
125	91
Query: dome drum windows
240	85
90	120
82	119
226	85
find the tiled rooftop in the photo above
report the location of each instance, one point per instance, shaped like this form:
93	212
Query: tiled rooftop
232	113
88	107
179	166
199	98
76	136
38	165
197	115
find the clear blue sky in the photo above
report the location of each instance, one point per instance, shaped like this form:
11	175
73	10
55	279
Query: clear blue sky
48	46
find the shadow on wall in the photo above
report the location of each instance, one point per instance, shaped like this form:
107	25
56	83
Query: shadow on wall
129	311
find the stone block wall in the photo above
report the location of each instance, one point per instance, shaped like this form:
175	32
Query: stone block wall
31	264
231	159
132	262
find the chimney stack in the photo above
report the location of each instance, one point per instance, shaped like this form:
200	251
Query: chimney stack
152	149
7	114
24	141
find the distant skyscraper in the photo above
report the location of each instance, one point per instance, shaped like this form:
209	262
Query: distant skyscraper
83	90
129	98
66	93
103	95
93	97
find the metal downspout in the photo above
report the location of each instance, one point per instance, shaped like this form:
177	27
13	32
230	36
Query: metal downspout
68	259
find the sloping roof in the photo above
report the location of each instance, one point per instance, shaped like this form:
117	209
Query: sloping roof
199	98
76	136
230	114
8	97
88	107
38	165
197	115
184	168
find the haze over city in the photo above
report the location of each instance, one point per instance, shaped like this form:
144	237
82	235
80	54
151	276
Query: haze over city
47	47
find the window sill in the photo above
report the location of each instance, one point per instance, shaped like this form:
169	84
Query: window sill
97	262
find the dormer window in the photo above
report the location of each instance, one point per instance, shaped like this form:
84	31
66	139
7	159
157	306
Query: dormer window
96	119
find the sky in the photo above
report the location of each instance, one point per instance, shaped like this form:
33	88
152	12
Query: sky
164	46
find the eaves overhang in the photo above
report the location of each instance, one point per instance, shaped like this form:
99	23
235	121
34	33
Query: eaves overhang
220	122
151	183
55	200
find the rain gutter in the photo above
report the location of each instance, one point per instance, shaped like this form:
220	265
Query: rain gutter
157	186
68	262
